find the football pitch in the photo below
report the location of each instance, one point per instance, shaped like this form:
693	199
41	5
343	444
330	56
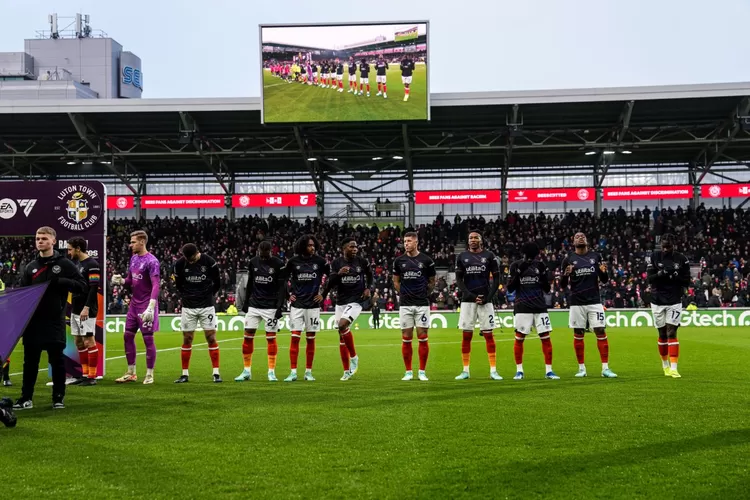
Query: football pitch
296	102
642	435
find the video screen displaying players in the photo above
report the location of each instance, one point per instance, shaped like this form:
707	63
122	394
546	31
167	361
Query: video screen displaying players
345	73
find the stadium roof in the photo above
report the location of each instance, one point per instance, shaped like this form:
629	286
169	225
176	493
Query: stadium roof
492	133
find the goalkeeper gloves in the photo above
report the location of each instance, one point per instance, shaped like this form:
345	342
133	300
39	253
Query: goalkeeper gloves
148	314
118	280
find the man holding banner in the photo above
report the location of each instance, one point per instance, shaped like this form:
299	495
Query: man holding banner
46	329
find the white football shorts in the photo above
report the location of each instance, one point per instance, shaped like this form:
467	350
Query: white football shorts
523	322
348	311
254	316
594	313
203	318
666	315
304	320
411	316
80	328
473	313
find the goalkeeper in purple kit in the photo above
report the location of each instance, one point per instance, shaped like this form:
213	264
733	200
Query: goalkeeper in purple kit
143	279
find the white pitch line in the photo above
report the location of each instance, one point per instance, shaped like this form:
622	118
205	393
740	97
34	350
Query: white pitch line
263	347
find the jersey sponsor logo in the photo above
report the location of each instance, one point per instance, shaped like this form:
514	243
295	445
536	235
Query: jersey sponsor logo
196	279
264	279
351	279
476	269
307	276
412	275
136	276
530	280
584	271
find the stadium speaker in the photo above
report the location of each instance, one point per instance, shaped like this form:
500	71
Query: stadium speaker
515	131
185	137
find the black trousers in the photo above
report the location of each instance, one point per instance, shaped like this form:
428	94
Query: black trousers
376	320
32	355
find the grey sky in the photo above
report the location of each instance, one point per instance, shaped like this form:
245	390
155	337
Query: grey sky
193	48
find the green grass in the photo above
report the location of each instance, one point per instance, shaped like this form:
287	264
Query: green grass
294	102
640	436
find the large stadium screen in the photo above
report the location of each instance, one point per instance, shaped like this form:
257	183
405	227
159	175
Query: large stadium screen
345	72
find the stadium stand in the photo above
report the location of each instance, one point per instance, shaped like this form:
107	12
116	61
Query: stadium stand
717	239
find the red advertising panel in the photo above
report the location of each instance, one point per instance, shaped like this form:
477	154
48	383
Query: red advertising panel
648	192
186	201
274	200
725	190
120	202
551	195
439	197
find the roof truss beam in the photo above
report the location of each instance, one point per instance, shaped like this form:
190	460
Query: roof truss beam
223	172
729	130
82	128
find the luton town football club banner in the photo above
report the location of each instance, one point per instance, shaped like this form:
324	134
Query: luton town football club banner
71	209
615	319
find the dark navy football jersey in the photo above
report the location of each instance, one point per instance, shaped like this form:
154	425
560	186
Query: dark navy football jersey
476	270
197	282
364	70
415	274
668	289
92	273
265	279
530	286
407	67
381	67
584	280
306	276
351	285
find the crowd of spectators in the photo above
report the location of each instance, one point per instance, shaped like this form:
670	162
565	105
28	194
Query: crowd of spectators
715	241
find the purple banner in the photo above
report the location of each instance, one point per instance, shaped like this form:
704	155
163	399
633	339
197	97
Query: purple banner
71	209
16	308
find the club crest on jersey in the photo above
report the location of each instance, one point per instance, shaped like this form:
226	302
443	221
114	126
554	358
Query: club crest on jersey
591	260
299	267
359	269
315	267
484	260
203	269
421	265
271	270
56	269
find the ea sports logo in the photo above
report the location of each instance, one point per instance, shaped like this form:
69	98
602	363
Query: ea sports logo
8	208
583	194
122	202
244	201
714	191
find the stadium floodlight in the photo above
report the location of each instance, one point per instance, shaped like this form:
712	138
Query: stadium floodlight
626	152
312	158
88	162
376	158
608	152
73	162
397	157
106	162
332	159
589	153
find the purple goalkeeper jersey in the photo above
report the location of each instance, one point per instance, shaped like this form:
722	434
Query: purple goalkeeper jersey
143	275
